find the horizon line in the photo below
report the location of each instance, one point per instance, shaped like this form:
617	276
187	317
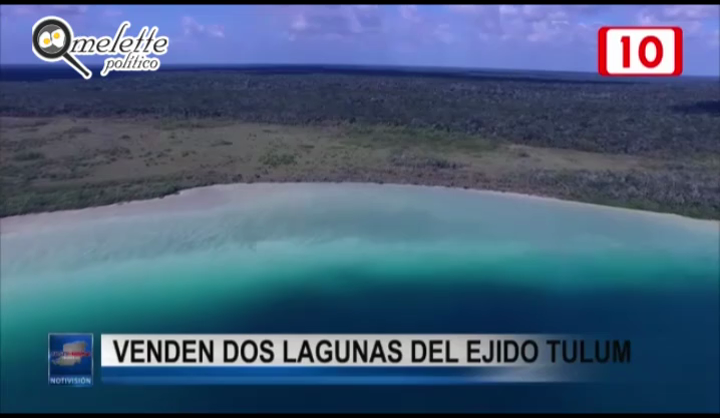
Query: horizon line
390	66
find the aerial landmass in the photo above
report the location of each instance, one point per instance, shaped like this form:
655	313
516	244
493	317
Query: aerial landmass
71	143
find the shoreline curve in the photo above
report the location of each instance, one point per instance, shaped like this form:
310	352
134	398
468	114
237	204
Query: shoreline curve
208	197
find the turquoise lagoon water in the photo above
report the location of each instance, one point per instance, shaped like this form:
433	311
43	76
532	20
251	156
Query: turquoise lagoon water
355	258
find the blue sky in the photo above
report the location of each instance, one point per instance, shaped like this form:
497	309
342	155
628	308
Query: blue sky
542	37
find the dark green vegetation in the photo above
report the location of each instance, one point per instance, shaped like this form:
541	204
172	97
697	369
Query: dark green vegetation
72	143
628	118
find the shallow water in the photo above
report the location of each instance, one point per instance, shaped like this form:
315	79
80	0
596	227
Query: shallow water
352	258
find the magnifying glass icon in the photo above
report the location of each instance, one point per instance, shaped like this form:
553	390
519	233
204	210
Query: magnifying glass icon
52	37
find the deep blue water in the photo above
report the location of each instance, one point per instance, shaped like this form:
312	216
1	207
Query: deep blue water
672	372
366	259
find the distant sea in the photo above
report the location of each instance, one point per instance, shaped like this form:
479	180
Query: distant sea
358	258
44	72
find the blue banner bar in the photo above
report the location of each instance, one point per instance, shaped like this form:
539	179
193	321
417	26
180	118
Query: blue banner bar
302	375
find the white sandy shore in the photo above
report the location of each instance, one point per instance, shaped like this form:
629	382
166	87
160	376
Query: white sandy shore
209	197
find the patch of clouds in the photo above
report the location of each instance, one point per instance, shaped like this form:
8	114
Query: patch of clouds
443	33
691	12
412	24
410	12
693	19
422	29
417	27
43	10
334	22
112	13
467	8
531	23
547	30
193	29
